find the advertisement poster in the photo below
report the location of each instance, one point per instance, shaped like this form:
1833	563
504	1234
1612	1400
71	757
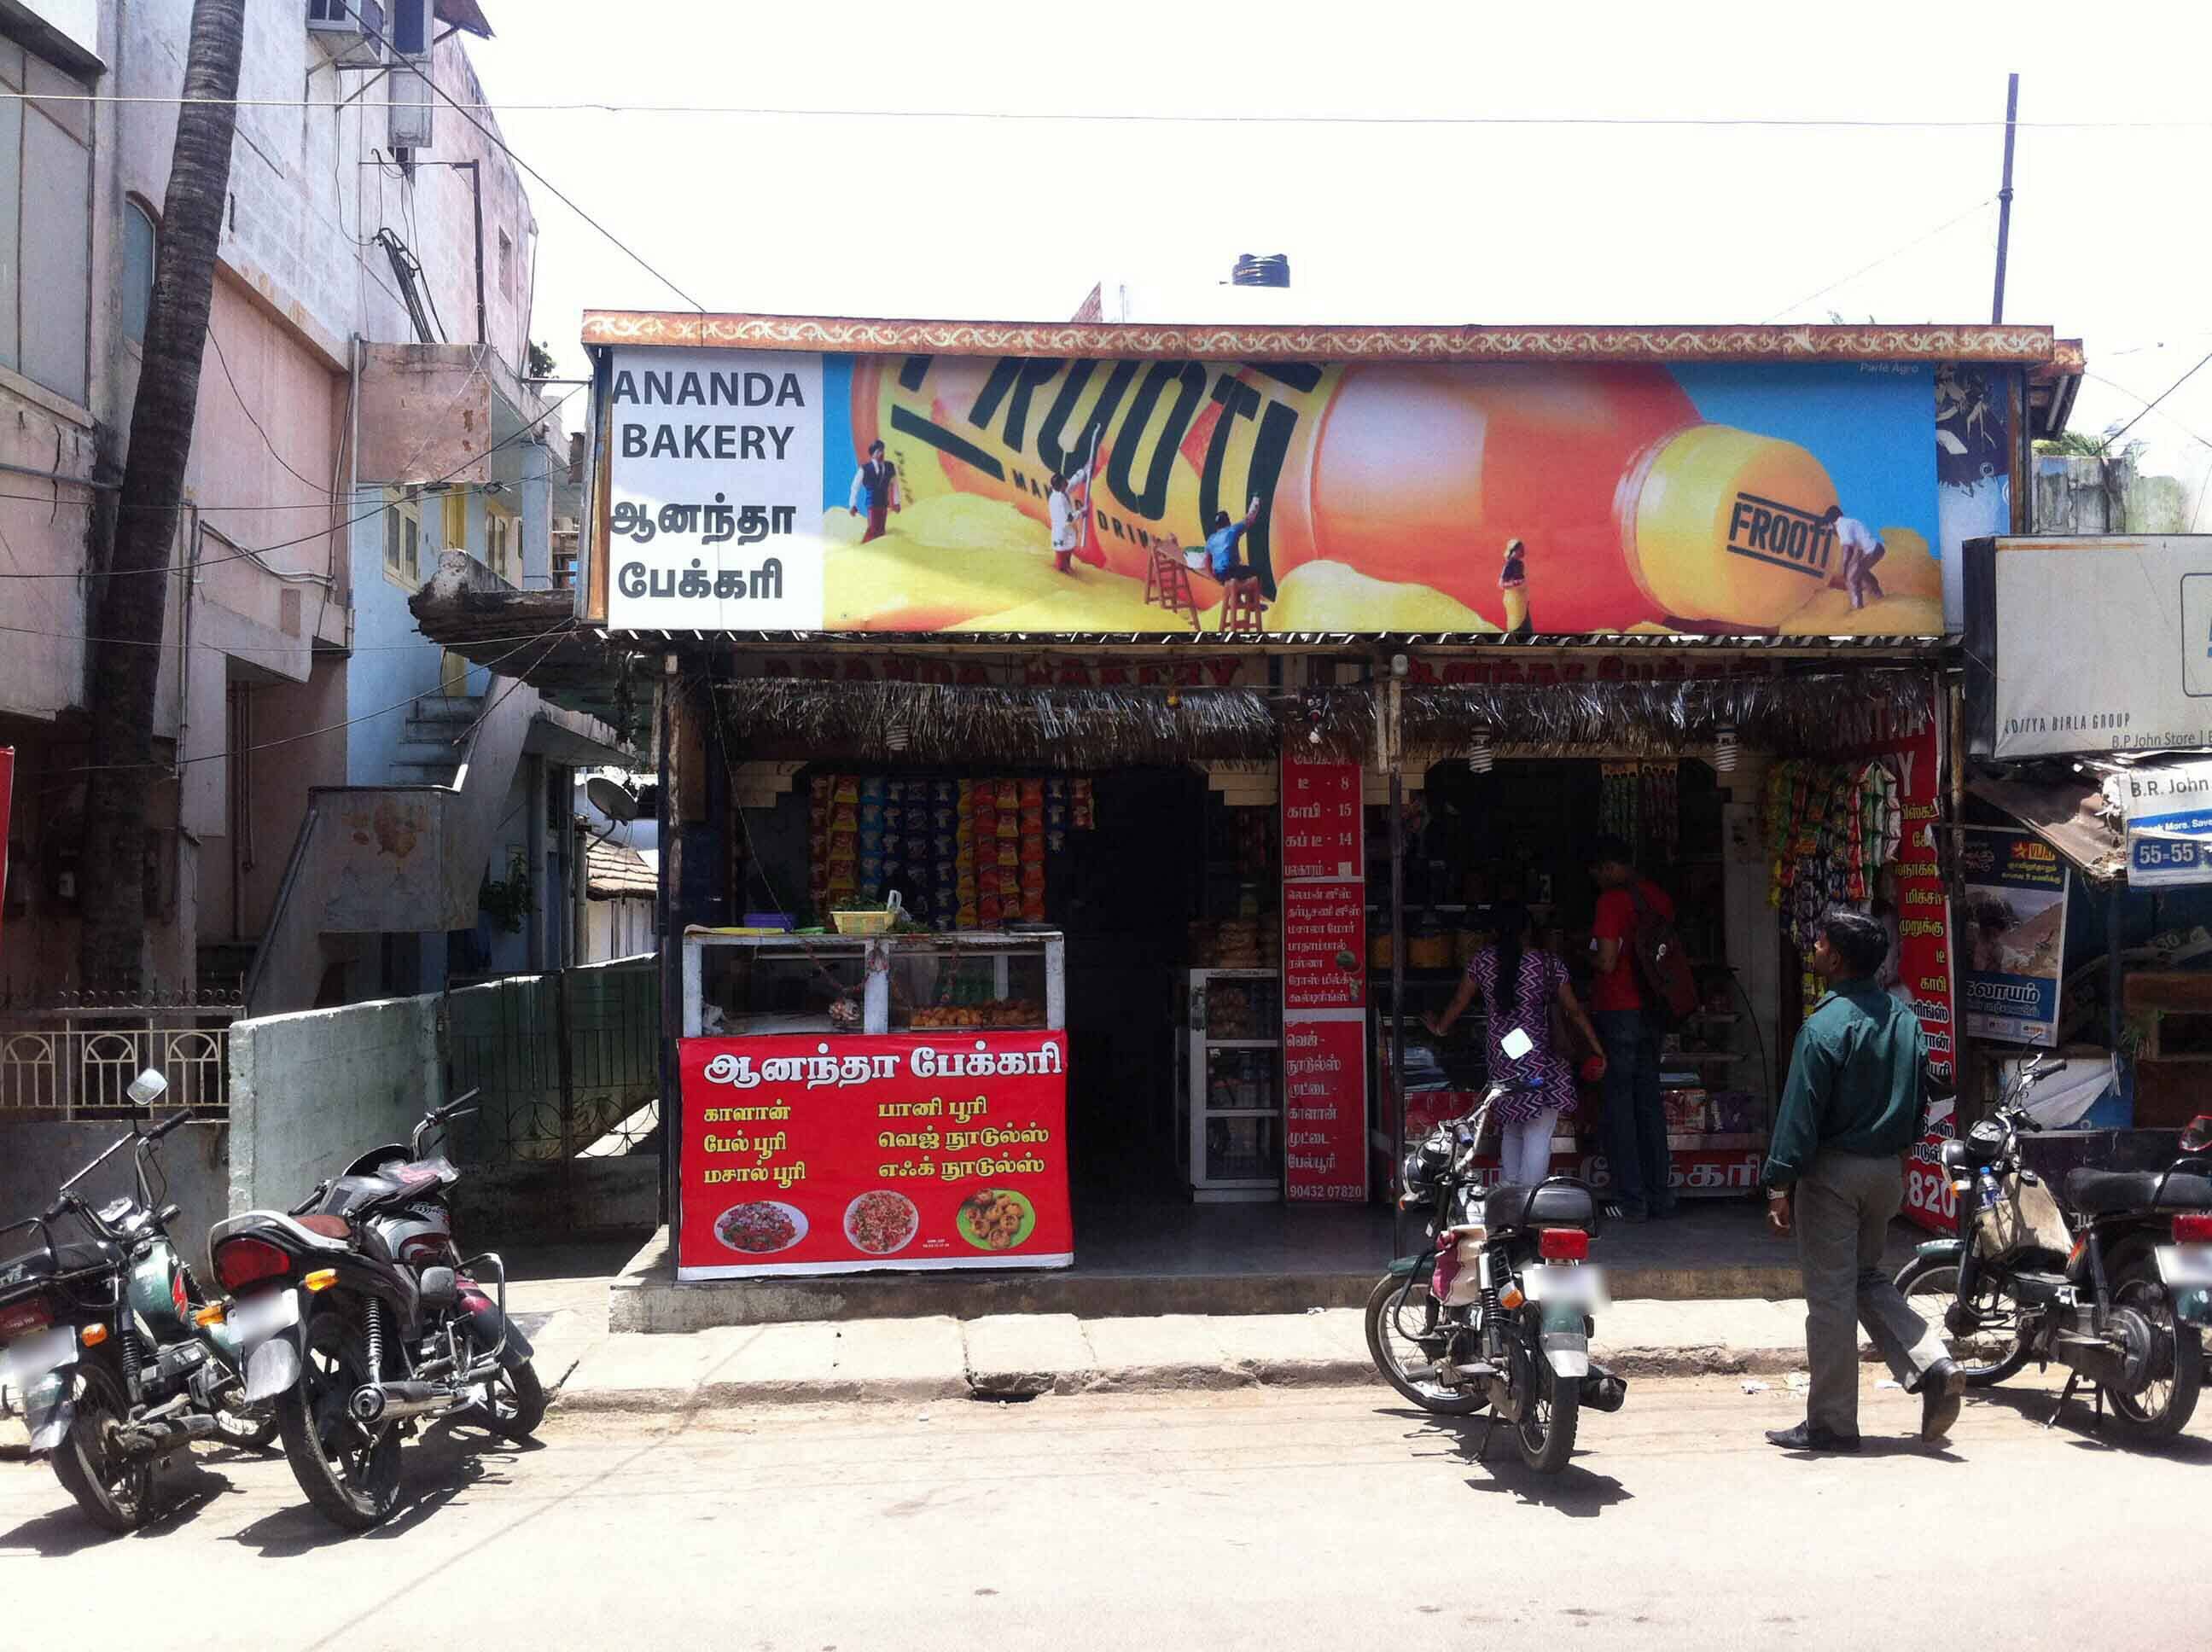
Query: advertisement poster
751	490
1324	981
2168	809
2015	937
803	1154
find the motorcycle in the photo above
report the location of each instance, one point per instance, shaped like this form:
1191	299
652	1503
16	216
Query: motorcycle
109	1341
358	1316
1499	1313
2119	1295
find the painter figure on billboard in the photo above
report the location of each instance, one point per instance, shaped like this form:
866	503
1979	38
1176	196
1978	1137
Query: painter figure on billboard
1863	548
1067	515
877	484
1240	580
1513	588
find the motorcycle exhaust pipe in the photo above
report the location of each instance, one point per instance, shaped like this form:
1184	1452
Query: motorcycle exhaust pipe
395	1402
150	1440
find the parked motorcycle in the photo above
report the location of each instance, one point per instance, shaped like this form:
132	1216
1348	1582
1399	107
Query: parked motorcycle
1500	1313
356	1314
110	1346
2119	1296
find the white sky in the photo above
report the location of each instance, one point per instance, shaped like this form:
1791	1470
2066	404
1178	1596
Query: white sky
1015	220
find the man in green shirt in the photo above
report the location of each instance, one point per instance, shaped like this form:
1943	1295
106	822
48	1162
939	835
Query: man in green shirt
1835	1174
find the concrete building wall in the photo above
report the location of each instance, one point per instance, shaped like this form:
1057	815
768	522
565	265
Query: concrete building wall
311	1090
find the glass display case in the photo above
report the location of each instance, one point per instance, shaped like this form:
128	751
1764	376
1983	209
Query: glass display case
1231	1094
737	985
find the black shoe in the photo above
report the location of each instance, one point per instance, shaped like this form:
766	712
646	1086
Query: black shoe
1806	1437
1939	1390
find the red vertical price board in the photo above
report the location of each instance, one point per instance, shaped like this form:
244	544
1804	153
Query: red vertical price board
1324	983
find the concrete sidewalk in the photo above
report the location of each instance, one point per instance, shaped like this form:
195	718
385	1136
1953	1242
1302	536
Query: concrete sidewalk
1013	1355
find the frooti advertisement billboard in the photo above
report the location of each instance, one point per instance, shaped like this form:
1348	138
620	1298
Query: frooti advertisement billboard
756	490
810	1155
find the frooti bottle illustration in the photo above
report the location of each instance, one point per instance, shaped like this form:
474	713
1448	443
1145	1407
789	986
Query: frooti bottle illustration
1632	508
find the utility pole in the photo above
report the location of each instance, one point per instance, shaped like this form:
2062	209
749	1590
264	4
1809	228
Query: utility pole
132	592
2004	195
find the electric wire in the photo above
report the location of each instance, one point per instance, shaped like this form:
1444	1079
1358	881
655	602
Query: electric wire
285	544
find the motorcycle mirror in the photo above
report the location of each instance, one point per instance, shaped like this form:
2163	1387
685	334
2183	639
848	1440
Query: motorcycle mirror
147	1088
2198	1136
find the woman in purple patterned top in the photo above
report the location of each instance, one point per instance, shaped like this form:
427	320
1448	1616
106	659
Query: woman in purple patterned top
1519	985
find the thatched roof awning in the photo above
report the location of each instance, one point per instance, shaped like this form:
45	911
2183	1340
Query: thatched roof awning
1094	728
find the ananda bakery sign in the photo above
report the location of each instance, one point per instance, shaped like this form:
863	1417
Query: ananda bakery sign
761	490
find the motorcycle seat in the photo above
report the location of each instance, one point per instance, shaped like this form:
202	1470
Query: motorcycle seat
72	1257
1548	1205
352	1194
2106	1193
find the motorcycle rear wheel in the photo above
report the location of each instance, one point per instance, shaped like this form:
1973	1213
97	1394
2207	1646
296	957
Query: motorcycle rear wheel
1394	1308
2163	1409
359	1486
2005	1333
115	1492
1550	1413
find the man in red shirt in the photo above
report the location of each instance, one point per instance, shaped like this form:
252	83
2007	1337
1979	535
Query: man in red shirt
1635	1124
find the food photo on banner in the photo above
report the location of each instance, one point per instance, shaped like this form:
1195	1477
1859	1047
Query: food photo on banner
910	494
2012	936
810	1155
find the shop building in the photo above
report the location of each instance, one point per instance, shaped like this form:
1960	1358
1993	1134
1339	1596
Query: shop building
1180	894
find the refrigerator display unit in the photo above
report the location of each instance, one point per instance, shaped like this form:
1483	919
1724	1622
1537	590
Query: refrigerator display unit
1231	1048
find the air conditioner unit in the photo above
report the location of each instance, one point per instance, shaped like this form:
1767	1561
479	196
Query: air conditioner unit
351	32
412	102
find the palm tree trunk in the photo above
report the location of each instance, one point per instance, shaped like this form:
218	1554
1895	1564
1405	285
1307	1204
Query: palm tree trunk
132	599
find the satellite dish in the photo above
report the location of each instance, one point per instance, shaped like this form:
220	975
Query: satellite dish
610	798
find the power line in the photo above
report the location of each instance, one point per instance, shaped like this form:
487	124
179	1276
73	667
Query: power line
2156	399
239	647
322	504
491	134
551	632
286	544
239	396
1886	257
1168	117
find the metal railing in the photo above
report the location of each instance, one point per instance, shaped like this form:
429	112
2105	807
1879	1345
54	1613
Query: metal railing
76	1059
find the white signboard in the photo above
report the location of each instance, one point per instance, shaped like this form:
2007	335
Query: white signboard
2169	813
714	507
2100	644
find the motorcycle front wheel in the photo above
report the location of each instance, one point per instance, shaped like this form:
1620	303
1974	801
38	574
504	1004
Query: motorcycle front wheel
349	1473
513	1403
1401	1315
2165	1408
1549	1412
115	1492
1997	1347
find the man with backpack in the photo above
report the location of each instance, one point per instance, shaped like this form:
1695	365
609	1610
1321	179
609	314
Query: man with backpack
1639	968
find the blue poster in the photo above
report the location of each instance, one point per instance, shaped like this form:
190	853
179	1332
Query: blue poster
2013	933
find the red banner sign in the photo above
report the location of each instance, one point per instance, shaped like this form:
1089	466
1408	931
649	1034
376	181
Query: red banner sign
1324	983
805	1154
7	790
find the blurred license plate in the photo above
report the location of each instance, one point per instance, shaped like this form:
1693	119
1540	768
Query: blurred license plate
264	1316
1582	1287
2187	1266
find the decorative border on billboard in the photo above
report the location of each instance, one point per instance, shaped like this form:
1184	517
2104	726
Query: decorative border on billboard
1123	340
